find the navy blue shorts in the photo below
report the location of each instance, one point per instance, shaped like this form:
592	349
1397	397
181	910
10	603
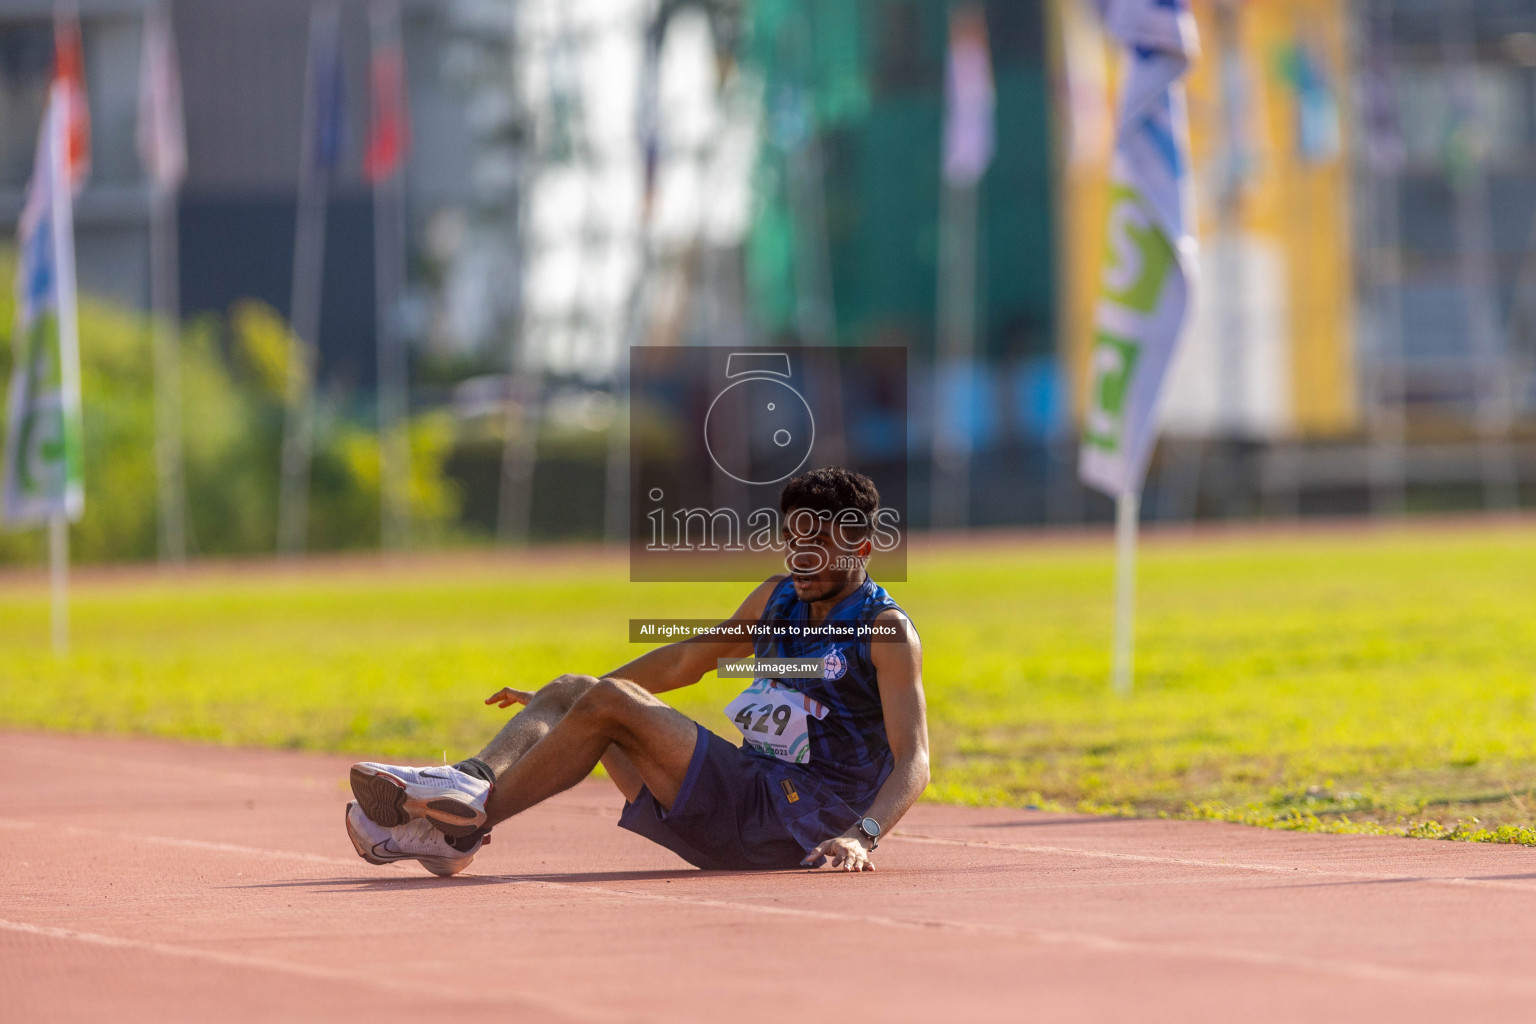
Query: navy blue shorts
723	819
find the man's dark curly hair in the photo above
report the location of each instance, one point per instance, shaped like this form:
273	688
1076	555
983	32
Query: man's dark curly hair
831	490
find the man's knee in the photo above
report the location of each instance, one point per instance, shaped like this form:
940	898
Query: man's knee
611	700
565	691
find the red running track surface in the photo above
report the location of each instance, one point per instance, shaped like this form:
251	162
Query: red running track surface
151	881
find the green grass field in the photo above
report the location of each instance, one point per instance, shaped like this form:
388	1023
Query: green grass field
1345	680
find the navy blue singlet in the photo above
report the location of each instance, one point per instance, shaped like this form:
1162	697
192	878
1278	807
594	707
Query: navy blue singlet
850	755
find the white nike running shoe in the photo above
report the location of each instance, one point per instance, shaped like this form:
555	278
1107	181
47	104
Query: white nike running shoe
391	795
415	840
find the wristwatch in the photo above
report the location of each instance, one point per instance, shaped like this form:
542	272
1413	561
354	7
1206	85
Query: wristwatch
870	829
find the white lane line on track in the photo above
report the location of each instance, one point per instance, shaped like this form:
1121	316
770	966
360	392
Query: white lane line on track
1195	862
911	837
1356	970
436	994
247	780
191	844
917	837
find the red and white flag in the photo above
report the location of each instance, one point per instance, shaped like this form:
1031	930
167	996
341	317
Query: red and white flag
161	134
69	83
389	122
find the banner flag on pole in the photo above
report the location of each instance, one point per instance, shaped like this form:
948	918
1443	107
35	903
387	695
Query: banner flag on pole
969	133
389	126
1150	253
69	79
161	134
42	456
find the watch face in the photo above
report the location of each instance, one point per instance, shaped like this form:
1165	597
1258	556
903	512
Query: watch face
870	826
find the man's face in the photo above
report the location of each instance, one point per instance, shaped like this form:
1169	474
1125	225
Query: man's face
824	554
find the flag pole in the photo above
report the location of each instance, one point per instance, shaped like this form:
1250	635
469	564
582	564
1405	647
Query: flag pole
161	142
616	479
951	476
167	374
389	280
970	103
304	314
58	573
1127	522
72	500
1143	301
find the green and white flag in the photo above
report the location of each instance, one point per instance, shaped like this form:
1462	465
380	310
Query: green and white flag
1149	258
41	466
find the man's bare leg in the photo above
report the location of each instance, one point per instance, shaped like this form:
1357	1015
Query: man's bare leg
564	731
542	709
562	743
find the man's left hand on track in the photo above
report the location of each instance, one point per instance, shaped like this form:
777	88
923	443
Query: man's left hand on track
845	853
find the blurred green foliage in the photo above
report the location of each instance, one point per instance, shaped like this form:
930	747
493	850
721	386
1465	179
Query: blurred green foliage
232	415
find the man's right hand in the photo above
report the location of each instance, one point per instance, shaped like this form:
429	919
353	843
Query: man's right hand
572	684
507	696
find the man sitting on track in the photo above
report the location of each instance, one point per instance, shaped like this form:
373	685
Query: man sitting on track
826	766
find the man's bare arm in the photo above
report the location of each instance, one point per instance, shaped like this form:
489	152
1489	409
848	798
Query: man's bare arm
684	663
899	672
676	665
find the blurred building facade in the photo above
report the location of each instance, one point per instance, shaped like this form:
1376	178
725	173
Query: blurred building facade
242	67
1445	169
592	175
1366	195
846	240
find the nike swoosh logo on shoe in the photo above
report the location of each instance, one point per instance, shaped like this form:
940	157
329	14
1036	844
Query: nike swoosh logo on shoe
386	852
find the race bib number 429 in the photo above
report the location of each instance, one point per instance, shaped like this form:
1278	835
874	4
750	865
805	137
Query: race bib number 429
775	719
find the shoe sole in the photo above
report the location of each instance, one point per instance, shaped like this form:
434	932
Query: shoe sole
439	866
391	801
